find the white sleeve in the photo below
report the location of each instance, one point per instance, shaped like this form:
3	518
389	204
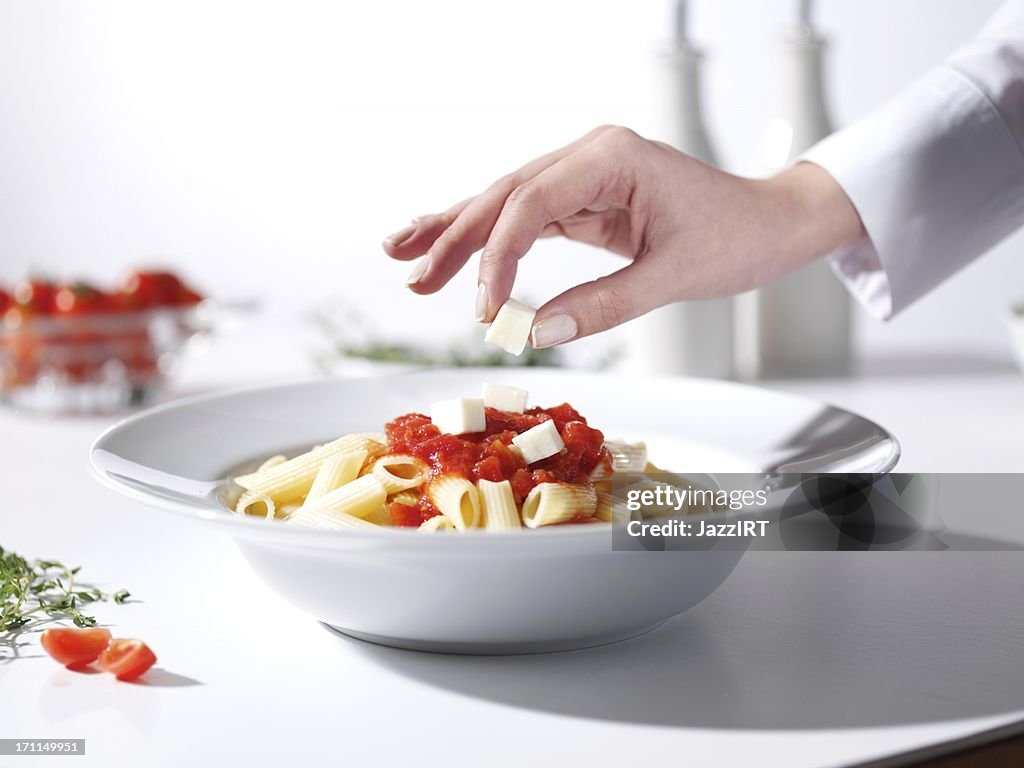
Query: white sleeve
937	173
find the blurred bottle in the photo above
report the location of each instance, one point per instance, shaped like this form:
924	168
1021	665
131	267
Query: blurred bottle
693	337
801	325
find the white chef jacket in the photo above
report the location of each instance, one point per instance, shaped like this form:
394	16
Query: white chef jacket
937	173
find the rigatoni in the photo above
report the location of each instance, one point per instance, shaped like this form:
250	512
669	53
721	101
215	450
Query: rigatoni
455	498
436	523
498	506
553	503
399	473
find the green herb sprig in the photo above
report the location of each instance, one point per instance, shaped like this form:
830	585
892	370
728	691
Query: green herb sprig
45	589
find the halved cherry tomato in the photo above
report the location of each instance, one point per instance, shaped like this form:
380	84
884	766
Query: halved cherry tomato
35	295
127	659
79	299
188	297
75	648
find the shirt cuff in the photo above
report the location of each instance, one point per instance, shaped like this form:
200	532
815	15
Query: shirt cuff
937	178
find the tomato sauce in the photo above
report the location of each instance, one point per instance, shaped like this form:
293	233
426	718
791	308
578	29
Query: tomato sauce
487	455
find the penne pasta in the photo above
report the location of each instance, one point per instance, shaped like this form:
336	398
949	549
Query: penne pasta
272	462
437	523
553	503
498	506
398	473
359	498
287	510
335	472
380	516
327	519
256	505
291	481
456	498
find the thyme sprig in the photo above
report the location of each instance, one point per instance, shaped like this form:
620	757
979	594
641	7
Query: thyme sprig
45	589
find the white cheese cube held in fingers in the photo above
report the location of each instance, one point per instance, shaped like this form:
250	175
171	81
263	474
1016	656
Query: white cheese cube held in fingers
460	416
539	442
511	399
511	327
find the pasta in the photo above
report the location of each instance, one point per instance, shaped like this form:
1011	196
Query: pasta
437	523
256	504
332	520
359	498
399	473
553	503
456	498
335	472
291	480
517	468
498	505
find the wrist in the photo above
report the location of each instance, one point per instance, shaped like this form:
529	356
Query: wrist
815	215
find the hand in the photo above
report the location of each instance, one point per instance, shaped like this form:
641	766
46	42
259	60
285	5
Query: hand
690	231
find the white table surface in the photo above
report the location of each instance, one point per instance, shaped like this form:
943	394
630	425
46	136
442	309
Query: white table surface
800	659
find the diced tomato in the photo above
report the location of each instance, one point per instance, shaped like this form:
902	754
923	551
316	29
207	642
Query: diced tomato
489	469
75	648
489	455
405	515
127	659
5	301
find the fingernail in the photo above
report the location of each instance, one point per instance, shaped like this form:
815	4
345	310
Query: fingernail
553	330
418	271
481	302
401	235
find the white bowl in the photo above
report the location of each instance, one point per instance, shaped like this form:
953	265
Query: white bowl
478	592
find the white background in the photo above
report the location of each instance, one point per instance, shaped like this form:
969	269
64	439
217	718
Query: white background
268	147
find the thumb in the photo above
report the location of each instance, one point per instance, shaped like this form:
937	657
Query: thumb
599	305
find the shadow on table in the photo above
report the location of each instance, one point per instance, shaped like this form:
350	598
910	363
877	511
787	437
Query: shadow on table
794	640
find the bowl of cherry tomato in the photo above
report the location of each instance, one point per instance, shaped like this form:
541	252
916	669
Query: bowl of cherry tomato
77	348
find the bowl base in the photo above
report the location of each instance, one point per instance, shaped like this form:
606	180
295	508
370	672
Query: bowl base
496	649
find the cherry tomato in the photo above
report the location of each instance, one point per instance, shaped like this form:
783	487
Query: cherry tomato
35	295
75	648
127	659
5	301
147	289
188	297
80	299
140	290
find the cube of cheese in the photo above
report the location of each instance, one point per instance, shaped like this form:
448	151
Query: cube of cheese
459	416
511	327
539	442
504	398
